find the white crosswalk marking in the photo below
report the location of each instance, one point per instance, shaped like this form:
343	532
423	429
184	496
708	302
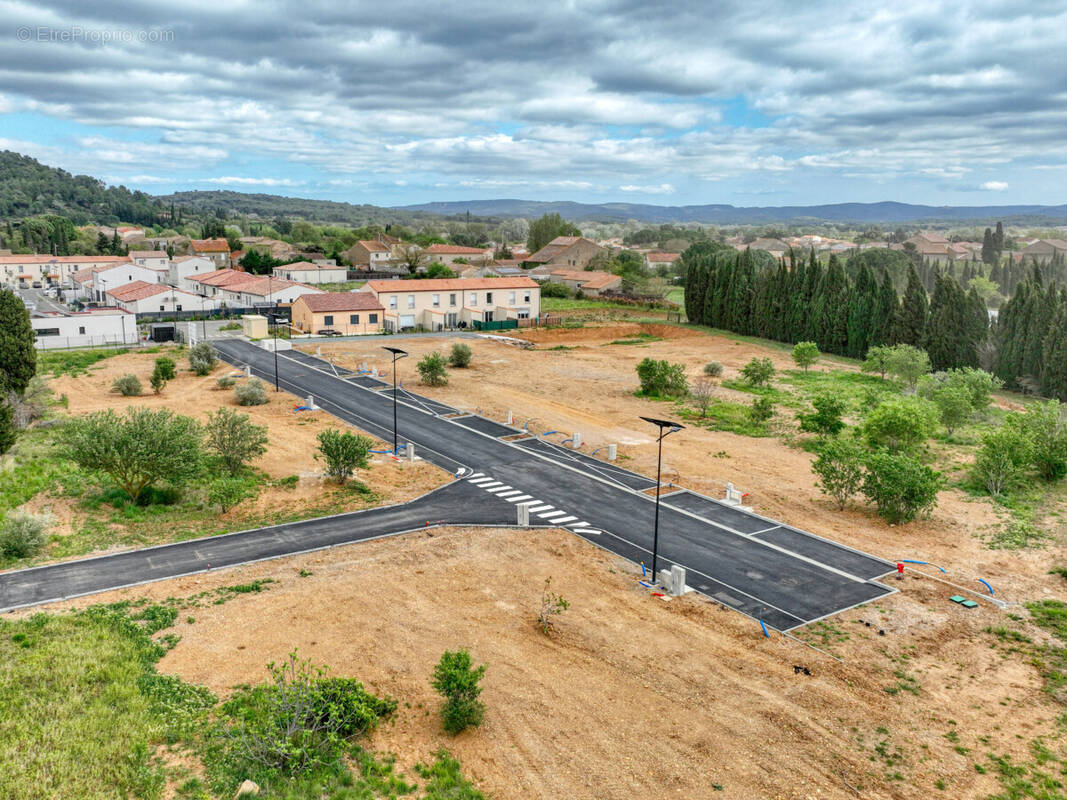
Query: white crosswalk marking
563	521
490	485
520	498
556	513
475	475
593	531
508	493
481	481
497	489
581	524
535	509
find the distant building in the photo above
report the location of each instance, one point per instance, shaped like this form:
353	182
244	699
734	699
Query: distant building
308	272
25	270
218	250
153	259
449	254
436	304
369	254
93	328
658	259
1045	249
591	282
348	313
266	246
776	247
567	251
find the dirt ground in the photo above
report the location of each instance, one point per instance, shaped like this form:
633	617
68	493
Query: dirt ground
292	439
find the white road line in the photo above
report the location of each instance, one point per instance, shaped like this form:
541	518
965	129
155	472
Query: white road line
475	475
491	484
483	480
494	490
542	508
520	498
509	493
556	513
587	530
581	524
563	521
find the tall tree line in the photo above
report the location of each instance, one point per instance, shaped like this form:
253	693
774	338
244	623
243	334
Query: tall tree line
799	299
1032	338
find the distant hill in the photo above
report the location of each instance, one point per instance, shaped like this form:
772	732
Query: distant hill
269	206
886	212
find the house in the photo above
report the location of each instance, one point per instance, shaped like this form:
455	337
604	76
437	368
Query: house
211	282
218	250
182	267
107	278
318	259
125	232
566	251
932	246
436	304
369	254
349	313
153	259
776	247
449	254
310	272
93	328
48	270
140	297
245	290
656	260
266	246
591	282
1045	249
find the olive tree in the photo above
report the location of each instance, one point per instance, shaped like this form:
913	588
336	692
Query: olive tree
233	439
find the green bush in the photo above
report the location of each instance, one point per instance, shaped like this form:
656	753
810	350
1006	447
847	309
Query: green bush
826	418
456	680
202	359
839	467
758	371
432	369
551	289
23	534
713	369
8	432
165	368
662	379
460	356
998	465
900	424
761	410
900	487
252	392
127	386
445	781
226	382
805	354
228	492
233	439
343	452
1044	429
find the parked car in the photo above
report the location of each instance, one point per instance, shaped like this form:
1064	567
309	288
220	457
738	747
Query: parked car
328	332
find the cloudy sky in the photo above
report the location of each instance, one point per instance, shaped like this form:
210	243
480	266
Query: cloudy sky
753	102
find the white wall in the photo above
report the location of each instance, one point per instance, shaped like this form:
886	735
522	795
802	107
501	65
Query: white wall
325	275
170	302
110	279
181	271
85	330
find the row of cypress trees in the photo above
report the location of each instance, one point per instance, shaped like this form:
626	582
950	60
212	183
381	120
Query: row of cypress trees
752	294
1032	338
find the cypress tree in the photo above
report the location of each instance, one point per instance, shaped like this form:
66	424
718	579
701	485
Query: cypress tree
18	358
1054	377
833	309
886	310
797	311
950	330
812	306
861	306
989	247
914	310
998	238
696	274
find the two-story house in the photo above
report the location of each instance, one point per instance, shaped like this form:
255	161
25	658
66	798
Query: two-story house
437	304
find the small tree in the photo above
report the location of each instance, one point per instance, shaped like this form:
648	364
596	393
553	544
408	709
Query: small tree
826	419
758	371
713	369
23	534
839	468
127	386
233	439
878	360
907	364
661	378
999	462
1044	427
901	487
228	492
202	358
344	452
552	605
456	680
251	393
165	367
701	395
135	450
900	423
460	356
761	410
18	356
805	354
953	405
432	370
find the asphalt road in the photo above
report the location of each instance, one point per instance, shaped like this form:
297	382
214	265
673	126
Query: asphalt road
771	572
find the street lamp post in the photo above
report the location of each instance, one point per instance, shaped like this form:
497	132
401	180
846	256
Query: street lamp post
397	355
274	325
666	428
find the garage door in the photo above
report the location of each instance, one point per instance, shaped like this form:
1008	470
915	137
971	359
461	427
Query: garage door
407	320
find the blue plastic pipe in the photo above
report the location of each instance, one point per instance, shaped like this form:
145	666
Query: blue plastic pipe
986	584
924	563
764	629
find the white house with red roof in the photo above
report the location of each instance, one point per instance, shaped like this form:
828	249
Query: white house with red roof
116	275
141	297
93	328
436	304
25	270
218	250
245	290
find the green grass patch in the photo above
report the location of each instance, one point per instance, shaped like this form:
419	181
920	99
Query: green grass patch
724	415
71	362
640	338
445	781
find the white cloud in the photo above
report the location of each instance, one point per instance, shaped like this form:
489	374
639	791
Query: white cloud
994	186
663	188
240	181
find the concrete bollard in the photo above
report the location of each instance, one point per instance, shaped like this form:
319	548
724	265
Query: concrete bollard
676	584
248	371
613	452
310	402
576	441
363	366
409	450
523	510
318	351
511	417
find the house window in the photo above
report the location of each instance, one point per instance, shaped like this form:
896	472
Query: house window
47	332
526	297
81	330
327	320
392	301
353	319
179	307
436	300
488	298
474	299
161	308
523	313
374	319
452	300
511	298
411	301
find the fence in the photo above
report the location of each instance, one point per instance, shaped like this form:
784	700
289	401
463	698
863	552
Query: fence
82	342
496	325
544	321
229	312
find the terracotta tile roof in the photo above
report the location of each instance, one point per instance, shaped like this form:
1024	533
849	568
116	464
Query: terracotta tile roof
565	241
663	257
341	301
262	285
450	284
307	265
138	290
558	245
222	277
454	250
374	245
209	246
589	279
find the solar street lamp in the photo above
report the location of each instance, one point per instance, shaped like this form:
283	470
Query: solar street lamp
274	324
397	355
666	428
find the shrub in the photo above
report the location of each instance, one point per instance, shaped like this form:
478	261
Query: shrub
826	418
661	378
805	354
552	605
761	410
233	439
457	682
713	369
23	534
953	406
758	371
900	424
907	364
127	386
839	467
432	369
999	463
165	368
226	382
701	395
343	452
1044	428
552	289
202	358
228	492
251	393
460	356
900	486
